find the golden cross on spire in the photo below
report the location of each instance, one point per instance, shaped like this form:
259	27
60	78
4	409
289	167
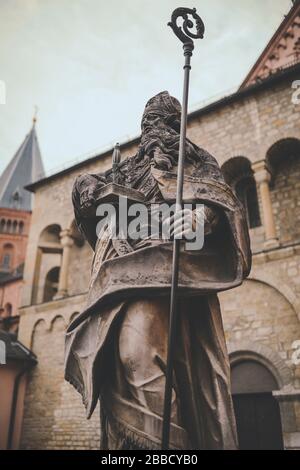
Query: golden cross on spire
35	114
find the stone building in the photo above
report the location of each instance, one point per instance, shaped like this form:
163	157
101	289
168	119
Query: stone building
255	135
15	214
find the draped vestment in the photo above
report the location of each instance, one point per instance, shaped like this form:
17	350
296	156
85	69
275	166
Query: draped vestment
116	348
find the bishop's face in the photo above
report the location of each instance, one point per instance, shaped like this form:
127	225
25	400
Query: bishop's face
162	109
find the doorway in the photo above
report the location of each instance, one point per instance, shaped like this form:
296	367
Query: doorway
256	410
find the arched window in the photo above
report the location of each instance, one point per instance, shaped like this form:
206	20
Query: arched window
14	226
49	256
2	225
8	310
21	228
246	191
239	175
7	257
257	412
8	226
50	234
51	284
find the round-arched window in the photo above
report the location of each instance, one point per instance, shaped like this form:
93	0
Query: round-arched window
247	194
2	225
238	174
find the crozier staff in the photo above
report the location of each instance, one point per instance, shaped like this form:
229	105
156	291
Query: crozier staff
185	35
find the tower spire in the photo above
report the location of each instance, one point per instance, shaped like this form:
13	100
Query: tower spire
25	167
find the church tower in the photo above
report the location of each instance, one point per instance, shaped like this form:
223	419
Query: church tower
15	212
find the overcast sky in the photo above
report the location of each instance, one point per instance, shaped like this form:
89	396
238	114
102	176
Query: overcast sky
90	65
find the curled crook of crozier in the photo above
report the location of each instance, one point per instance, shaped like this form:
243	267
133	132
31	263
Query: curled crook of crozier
184	32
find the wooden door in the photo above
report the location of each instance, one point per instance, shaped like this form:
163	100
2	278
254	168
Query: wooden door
258	421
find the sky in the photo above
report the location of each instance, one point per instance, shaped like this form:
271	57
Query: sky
91	65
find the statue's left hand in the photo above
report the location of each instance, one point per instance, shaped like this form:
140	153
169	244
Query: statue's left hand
182	225
207	215
179	225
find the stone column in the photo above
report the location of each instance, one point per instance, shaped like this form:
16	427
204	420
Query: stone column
289	404
262	177
67	242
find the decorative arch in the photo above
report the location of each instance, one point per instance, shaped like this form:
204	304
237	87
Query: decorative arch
39	325
281	288
283	149
236	168
246	350
48	257
73	316
57	321
50	234
250	375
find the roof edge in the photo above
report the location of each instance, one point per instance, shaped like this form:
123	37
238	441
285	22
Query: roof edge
289	15
11	279
31	187
281	74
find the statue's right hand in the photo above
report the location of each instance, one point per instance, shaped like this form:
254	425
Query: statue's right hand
84	191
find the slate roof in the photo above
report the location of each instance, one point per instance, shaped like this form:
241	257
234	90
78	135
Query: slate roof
25	168
16	350
16	275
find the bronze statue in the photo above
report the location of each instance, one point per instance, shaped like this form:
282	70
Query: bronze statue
116	349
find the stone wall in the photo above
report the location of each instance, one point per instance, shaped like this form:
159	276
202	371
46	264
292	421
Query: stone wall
54	417
10	293
257	312
250	126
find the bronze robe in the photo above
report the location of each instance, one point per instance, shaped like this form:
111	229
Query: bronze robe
125	288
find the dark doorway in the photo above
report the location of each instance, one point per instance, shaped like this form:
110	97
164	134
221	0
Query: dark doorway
257	412
258	421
